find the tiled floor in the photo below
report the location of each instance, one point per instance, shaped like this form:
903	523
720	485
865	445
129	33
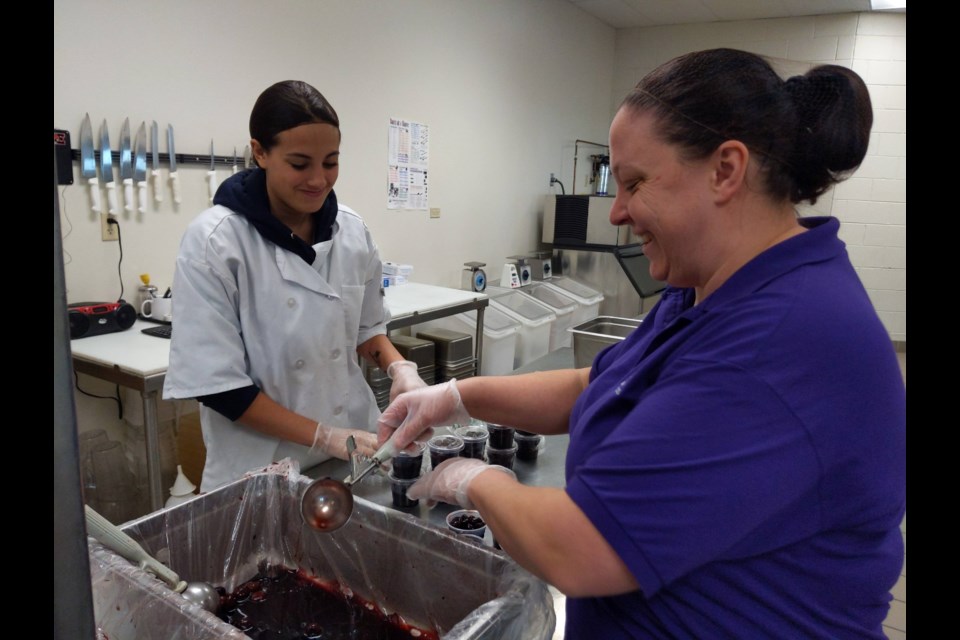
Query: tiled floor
895	626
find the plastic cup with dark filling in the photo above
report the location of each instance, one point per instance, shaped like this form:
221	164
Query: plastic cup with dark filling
528	445
502	457
399	486
444	447
474	440
467	521
501	436
408	463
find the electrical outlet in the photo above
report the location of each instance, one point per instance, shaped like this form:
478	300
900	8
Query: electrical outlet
553	179
108	231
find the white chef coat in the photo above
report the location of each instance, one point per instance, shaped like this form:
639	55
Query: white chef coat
249	312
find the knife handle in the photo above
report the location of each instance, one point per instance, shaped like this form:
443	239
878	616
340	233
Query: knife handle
175	186
128	195
142	192
157	185
212	182
112	197
94	194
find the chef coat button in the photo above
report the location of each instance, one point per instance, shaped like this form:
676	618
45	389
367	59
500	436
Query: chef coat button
291	302
337	411
335	354
299	364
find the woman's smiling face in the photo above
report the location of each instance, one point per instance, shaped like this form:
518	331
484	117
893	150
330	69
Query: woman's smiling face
663	198
302	167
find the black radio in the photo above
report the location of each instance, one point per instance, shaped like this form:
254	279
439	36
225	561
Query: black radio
96	318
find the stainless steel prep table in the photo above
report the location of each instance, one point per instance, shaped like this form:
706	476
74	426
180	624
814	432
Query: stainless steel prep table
137	361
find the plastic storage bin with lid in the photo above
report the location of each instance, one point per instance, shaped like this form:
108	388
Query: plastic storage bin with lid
561	305
500	334
587	298
536	322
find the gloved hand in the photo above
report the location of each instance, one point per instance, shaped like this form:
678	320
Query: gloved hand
450	480
413	414
405	378
333	441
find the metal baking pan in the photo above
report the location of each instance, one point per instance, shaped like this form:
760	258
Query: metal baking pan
592	336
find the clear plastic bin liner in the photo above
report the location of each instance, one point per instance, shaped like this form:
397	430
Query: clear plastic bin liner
428	576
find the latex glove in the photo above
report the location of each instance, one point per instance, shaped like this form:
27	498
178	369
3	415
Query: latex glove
450	480
413	414
333	441
405	378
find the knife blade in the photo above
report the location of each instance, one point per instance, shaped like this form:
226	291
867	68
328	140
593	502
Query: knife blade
246	157
212	174
106	168
88	163
155	162
174	178
140	166
126	166
236	166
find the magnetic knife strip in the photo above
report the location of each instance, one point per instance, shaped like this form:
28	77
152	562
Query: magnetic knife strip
181	158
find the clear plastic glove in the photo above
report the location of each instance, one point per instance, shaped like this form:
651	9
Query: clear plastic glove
405	378
333	441
450	480
413	414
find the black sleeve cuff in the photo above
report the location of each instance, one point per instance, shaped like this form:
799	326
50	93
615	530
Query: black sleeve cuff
232	403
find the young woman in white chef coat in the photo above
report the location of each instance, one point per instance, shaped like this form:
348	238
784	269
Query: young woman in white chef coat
278	287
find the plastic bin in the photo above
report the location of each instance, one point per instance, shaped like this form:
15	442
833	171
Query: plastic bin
395	561
500	334
561	305
587	298
536	321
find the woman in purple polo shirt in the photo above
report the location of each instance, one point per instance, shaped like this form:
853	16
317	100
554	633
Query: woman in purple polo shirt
736	466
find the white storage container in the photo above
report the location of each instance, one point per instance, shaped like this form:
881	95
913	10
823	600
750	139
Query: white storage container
500	334
536	321
562	306
587	298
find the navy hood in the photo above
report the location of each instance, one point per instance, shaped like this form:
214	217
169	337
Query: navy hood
246	193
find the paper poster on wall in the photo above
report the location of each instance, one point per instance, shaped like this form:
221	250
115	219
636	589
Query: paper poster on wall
408	157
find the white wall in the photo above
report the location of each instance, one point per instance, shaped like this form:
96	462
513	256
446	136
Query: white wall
506	87
872	204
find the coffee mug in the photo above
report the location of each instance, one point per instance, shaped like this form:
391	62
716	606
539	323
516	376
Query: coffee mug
158	309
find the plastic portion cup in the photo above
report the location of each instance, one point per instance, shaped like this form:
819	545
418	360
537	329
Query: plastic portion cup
408	463
399	486
501	437
474	440
467	521
443	448
528	445
502	457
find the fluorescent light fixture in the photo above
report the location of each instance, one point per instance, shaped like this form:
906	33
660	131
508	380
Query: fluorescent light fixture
887	5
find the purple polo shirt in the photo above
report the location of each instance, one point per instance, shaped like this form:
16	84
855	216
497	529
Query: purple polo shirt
746	457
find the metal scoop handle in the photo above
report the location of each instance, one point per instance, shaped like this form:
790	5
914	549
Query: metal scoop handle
384	453
116	540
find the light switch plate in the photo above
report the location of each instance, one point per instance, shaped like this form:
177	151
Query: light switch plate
434	212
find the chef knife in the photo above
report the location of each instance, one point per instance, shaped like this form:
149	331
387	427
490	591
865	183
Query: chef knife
140	166
106	168
212	174
236	166
126	166
155	162
174	179
88	163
